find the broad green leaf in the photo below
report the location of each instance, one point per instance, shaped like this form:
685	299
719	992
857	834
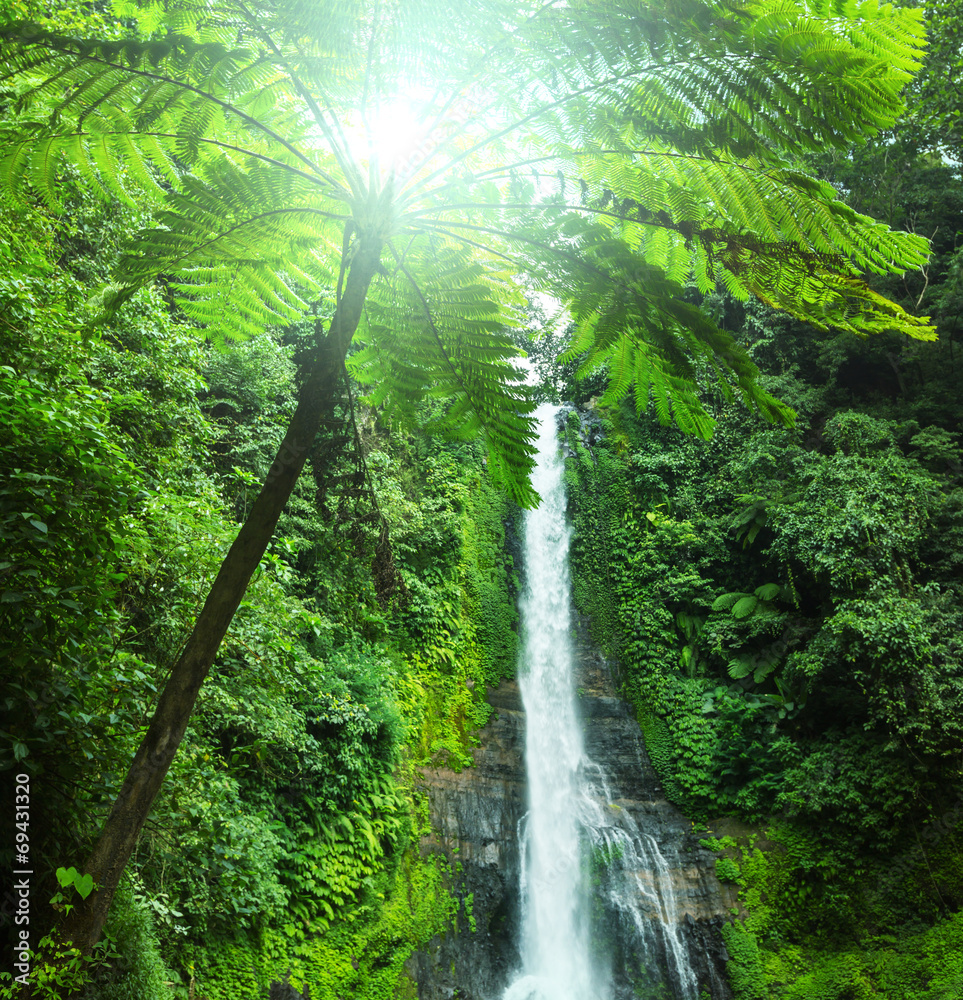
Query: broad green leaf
725	601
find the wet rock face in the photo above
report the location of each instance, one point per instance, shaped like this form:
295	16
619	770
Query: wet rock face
474	818
613	740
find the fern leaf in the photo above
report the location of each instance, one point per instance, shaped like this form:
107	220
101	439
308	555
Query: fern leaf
244	238
739	668
439	327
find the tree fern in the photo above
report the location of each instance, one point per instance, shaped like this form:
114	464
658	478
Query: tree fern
673	120
609	153
438	327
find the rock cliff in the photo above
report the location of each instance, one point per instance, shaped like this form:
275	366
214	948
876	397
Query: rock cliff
475	816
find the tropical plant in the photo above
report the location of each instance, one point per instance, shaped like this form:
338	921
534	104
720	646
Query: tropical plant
603	153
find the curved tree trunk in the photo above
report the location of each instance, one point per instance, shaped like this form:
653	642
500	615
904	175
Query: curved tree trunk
82	927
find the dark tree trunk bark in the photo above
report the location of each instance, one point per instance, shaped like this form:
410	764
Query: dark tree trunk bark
82	927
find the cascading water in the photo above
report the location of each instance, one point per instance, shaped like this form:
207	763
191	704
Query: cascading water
585	864
555	948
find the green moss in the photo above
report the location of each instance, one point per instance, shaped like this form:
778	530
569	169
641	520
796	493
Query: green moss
461	617
923	966
486	570
799	942
744	969
137	972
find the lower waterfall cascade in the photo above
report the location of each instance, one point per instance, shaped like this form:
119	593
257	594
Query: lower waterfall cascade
584	860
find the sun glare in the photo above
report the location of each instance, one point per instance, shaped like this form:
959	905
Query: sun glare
402	132
394	137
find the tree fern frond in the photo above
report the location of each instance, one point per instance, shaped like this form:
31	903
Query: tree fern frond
178	92
797	276
703	200
439	327
244	238
744	78
632	318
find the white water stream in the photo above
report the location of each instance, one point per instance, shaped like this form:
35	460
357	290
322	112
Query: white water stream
581	857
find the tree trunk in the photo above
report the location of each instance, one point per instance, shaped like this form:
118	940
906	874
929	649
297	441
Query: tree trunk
82	927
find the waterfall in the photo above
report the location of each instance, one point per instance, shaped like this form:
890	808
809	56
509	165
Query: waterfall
588	874
555	949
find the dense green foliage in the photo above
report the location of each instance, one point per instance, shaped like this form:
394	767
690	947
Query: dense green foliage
772	955
237	131
785	607
287	833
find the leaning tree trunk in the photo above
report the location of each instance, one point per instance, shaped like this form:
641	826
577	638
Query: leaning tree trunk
83	925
